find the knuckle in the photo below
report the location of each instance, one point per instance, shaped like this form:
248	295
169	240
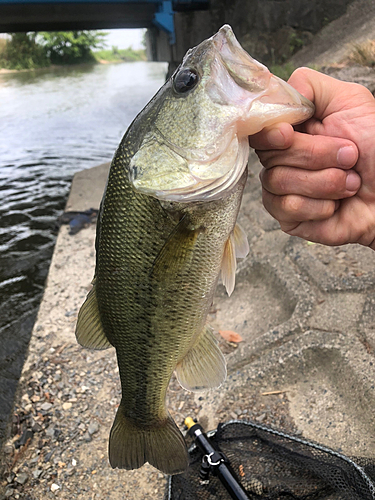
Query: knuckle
276	180
266	158
311	154
334	182
291	205
302	71
360	91
270	178
327	209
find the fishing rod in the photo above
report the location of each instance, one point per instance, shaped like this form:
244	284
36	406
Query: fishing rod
216	461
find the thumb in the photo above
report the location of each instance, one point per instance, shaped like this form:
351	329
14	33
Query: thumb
323	90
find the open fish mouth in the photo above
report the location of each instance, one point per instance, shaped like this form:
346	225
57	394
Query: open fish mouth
231	97
265	98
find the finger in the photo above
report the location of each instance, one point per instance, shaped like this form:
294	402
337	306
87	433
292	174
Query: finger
313	153
352	222
318	88
330	231
331	183
279	136
289	210
328	94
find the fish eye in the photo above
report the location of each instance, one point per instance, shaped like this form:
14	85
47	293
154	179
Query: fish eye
185	80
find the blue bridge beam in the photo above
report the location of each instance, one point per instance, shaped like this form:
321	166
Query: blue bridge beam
60	15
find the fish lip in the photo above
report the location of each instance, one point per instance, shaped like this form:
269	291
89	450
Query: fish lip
265	91
280	102
225	35
246	71
298	100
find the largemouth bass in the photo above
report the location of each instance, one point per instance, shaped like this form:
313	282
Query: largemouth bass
167	229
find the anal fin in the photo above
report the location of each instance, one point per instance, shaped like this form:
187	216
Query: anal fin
89	329
204	366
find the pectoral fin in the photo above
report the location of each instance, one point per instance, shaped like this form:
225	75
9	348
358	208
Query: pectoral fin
89	329
241	244
236	246
204	366
176	252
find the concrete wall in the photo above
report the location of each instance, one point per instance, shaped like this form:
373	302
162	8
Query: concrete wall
270	30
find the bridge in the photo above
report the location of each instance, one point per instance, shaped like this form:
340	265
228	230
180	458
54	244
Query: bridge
63	15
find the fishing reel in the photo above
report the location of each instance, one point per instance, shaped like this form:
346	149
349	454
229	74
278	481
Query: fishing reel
214	461
211	462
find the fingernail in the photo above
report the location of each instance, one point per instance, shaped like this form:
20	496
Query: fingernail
275	138
353	181
346	156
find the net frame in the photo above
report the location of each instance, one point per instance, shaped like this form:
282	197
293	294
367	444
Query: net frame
355	465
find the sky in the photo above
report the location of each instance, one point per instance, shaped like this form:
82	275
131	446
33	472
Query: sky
123	39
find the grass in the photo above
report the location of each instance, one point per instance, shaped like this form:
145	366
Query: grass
363	54
283	70
118	55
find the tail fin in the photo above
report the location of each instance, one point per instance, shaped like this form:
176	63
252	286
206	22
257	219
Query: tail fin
130	446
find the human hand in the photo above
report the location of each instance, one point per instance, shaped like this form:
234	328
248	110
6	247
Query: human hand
319	178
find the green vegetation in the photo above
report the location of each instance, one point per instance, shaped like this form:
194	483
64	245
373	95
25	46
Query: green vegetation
282	70
22	51
37	50
71	47
363	54
295	43
118	55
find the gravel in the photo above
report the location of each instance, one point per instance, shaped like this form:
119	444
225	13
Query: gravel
68	397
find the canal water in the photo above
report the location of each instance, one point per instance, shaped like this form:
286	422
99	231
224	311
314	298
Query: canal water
53	123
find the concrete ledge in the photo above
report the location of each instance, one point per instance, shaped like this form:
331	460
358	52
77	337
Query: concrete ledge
87	188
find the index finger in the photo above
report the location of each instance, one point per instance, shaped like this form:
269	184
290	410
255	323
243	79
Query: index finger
312	152
278	136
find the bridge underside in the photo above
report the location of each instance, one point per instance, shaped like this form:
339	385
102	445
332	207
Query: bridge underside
75	16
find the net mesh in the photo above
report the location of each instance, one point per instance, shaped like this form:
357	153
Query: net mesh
272	465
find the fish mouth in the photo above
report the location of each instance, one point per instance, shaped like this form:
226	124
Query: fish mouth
246	96
279	103
264	98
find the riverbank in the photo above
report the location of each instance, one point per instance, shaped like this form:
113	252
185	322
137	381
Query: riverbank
4	71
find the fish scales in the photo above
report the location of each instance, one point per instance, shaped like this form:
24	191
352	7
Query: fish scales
167	229
142	315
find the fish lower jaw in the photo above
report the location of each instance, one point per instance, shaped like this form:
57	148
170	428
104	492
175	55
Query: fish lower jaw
199	192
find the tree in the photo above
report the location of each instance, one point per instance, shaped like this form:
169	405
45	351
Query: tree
71	47
23	52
